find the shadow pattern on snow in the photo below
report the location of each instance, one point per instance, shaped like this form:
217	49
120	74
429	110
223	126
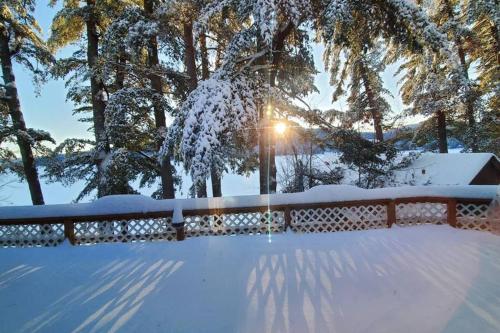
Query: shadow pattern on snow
417	279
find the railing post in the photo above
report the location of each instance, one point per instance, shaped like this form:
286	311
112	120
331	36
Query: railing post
451	212
69	231
288	218
179	231
391	213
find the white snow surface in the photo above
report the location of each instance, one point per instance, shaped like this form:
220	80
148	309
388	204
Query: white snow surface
415	279
123	204
443	169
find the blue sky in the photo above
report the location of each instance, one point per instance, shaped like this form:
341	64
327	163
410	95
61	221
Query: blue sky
48	111
51	112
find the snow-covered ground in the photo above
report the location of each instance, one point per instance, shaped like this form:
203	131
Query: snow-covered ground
416	279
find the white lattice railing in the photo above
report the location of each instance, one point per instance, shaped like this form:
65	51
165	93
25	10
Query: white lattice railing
235	223
330	219
25	235
139	229
474	216
408	214
325	217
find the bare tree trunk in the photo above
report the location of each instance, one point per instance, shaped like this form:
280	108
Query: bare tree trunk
375	112
166	170
441	132
18	123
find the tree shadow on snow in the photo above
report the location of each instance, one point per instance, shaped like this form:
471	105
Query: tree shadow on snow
365	281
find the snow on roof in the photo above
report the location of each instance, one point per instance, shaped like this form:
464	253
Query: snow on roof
123	204
443	169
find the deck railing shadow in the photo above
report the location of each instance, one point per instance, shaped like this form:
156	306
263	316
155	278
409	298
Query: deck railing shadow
95	300
318	288
284	286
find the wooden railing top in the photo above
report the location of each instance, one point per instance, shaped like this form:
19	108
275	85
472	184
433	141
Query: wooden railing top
137	207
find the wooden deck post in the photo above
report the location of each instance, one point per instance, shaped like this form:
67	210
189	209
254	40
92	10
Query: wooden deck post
391	213
288	217
451	212
69	231
180	232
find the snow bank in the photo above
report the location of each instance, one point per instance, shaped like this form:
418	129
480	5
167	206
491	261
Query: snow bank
413	280
123	204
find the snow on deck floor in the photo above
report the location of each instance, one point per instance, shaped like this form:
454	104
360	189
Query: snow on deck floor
418	279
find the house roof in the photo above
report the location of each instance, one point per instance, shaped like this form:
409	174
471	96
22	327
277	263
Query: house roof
443	169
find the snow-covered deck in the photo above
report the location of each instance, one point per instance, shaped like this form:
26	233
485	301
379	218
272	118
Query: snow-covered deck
415	279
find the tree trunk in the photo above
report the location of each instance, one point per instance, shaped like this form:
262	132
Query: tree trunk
205	70
190	64
98	102
263	158
120	181
267	149
205	74
18	123
262	135
120	70
166	170
375	112
216	183
190	55
470	101
441	132
494	32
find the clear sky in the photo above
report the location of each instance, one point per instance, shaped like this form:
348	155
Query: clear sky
50	111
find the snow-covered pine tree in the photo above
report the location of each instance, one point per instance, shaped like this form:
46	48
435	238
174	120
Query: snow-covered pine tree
20	42
125	67
86	21
443	78
157	85
138	109
447	15
217	115
484	48
359	61
189	13
484	19
374	161
251	60
353	41
427	90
